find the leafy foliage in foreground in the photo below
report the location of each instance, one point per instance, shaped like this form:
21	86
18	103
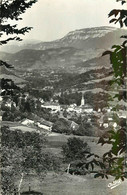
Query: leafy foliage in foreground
12	9
23	153
113	162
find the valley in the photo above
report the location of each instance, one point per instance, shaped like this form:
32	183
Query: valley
58	91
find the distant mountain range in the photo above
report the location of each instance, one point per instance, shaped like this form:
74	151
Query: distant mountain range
88	38
94	38
78	53
79	50
15	46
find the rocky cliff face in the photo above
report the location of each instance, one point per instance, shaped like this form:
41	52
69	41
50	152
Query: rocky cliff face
76	52
88	38
98	37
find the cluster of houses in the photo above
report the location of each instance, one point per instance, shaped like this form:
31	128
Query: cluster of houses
56	107
39	124
107	120
83	108
47	126
53	106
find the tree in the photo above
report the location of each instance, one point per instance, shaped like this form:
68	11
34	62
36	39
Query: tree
8	88
75	152
75	149
113	162
23	153
62	126
12	10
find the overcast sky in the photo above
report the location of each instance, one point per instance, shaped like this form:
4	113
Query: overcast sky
52	19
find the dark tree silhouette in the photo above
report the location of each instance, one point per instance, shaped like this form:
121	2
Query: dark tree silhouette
113	162
12	10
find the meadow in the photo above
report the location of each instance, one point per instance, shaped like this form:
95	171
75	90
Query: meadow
61	183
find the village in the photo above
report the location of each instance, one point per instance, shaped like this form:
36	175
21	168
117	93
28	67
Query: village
65	115
63	97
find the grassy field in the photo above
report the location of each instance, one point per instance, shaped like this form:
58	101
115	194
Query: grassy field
66	184
56	140
17	125
23	128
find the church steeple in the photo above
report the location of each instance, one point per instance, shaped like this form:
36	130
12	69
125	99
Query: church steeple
82	100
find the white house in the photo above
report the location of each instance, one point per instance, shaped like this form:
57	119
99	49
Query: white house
105	125
122	114
52	106
27	122
43	124
46	125
88	109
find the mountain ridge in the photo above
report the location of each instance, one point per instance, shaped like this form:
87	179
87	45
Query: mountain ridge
77	52
65	40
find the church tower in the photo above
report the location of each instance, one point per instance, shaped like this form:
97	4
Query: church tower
82	100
